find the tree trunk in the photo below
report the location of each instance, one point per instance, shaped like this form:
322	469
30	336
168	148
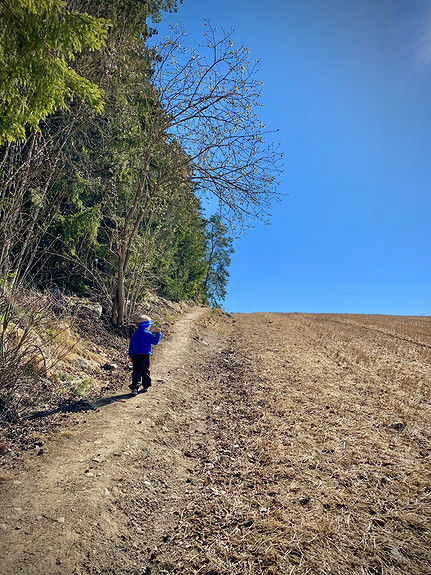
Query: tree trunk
119	304
125	242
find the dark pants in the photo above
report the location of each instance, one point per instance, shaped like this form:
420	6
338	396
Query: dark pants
141	370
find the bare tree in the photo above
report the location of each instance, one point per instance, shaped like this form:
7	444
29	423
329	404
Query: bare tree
28	172
210	102
201	124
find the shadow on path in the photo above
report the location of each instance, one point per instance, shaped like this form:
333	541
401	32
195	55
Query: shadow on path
81	405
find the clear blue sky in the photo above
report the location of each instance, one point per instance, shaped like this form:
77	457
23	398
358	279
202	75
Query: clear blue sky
348	85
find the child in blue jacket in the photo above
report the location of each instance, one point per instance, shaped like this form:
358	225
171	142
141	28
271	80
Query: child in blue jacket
140	346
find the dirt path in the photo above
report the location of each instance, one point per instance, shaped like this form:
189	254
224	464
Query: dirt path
269	444
103	496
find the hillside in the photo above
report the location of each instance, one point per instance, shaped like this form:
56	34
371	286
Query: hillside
268	444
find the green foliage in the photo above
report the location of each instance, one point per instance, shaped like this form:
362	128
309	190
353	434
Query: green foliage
103	155
219	250
38	42
80	225
178	246
131	12
107	203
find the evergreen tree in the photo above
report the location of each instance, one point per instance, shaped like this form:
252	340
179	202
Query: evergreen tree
38	41
123	158
219	250
179	245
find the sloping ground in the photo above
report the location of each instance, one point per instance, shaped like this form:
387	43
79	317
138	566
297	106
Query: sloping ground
276	443
318	458
101	498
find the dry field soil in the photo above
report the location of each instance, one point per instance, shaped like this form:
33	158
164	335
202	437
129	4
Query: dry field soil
268	444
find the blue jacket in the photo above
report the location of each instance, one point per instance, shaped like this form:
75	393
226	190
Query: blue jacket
142	340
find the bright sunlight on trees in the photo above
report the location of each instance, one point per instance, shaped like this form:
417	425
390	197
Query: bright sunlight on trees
37	42
114	199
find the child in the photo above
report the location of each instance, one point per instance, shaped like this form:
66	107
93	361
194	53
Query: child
139	353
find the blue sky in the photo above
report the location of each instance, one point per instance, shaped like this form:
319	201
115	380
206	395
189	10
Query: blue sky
348	85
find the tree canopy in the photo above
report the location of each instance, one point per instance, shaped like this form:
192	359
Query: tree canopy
210	101
38	42
110	203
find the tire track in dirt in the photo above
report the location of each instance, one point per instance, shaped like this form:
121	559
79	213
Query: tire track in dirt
355	324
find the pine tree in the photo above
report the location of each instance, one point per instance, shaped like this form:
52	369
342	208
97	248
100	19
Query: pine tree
219	250
38	41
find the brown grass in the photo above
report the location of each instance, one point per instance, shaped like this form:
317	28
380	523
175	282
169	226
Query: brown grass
318	451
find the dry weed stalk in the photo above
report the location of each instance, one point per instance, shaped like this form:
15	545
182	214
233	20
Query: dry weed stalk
33	340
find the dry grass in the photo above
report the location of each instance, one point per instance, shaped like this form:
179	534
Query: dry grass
318	451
